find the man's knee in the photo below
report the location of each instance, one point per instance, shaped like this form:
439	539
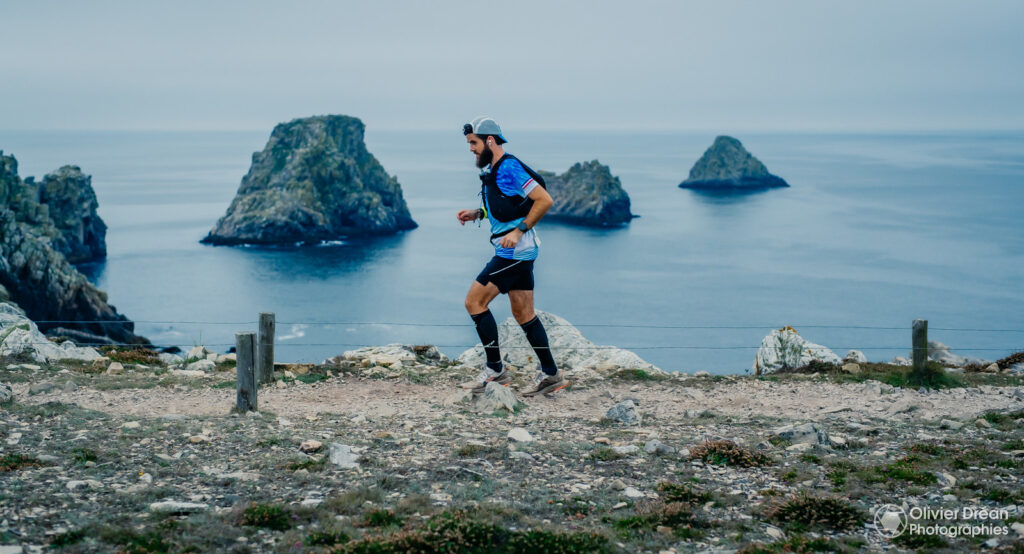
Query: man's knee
523	314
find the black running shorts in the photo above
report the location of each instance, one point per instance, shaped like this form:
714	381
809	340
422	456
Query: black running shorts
507	274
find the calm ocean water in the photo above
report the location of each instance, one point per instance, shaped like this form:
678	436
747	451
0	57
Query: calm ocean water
876	230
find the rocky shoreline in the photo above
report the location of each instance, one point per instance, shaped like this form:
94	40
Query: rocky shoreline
378	450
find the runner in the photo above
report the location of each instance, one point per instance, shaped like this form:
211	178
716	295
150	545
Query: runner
514	200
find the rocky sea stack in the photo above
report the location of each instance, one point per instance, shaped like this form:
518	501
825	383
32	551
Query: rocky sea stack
726	165
587	194
314	181
42	227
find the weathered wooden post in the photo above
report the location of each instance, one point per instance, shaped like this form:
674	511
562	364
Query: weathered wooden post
920	340
245	401
265	349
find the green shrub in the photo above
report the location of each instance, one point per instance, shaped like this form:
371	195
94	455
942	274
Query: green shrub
267	516
382	518
728	453
678	492
326	538
806	512
13	461
605	454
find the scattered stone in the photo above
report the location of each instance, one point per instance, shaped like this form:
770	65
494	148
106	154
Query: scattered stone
624	412
664	530
630	492
6	393
311	446
950	424
619	485
807	433
626	450
201	365
655	446
516	455
173	507
41	388
497	397
992	368
344	456
70	387
775	532
1018	527
115	368
603	440
946	480
702	374
81	484
197	439
851	368
170	359
518	434
983	423
131	425
197	353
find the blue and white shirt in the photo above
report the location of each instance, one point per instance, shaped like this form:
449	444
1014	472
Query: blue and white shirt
513	180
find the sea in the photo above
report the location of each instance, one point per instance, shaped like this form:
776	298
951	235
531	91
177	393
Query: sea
876	230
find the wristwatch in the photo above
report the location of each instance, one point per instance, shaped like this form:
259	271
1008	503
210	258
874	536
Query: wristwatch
522	226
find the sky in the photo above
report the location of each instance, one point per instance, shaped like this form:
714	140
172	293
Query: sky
788	65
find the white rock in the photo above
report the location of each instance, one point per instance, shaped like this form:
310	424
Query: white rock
197	353
631	492
951	424
171	506
190	373
201	365
344	456
627	449
702	374
81	484
212	357
311	446
851	368
855	356
516	455
774	532
392	355
807	433
624	412
223	359
497	397
115	368
901	361
946	480
1018	527
786	348
572	351
170	359
940	353
518	434
6	393
20	335
131	425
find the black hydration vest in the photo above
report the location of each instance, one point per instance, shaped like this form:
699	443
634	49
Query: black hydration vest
505	208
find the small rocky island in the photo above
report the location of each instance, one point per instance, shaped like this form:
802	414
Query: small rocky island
314	181
44	227
727	166
587	194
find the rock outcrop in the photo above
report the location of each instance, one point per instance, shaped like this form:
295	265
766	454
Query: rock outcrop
786	349
37	276
72	204
574	354
587	194
726	165
314	181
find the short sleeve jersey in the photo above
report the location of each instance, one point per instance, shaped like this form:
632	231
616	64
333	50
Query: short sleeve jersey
513	180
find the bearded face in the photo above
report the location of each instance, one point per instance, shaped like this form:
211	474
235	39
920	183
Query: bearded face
484	158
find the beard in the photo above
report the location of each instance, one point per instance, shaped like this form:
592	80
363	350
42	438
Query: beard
485	158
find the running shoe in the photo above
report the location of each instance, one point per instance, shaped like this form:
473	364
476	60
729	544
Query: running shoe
479	383
547	384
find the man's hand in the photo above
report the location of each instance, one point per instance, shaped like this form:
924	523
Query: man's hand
512	239
468	215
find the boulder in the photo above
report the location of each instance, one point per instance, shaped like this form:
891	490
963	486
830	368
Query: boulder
314	181
807	433
573	353
727	165
392	356
587	194
19	335
518	434
786	349
855	357
939	352
497	397
624	412
344	456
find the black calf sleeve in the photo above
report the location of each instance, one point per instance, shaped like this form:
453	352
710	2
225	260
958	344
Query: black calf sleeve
538	338
487	329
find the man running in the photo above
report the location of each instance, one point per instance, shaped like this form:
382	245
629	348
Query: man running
514	200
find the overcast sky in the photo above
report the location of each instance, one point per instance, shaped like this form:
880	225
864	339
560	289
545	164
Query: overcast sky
674	65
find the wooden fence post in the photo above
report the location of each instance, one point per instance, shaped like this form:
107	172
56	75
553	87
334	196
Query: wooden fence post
246	399
265	349
920	341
